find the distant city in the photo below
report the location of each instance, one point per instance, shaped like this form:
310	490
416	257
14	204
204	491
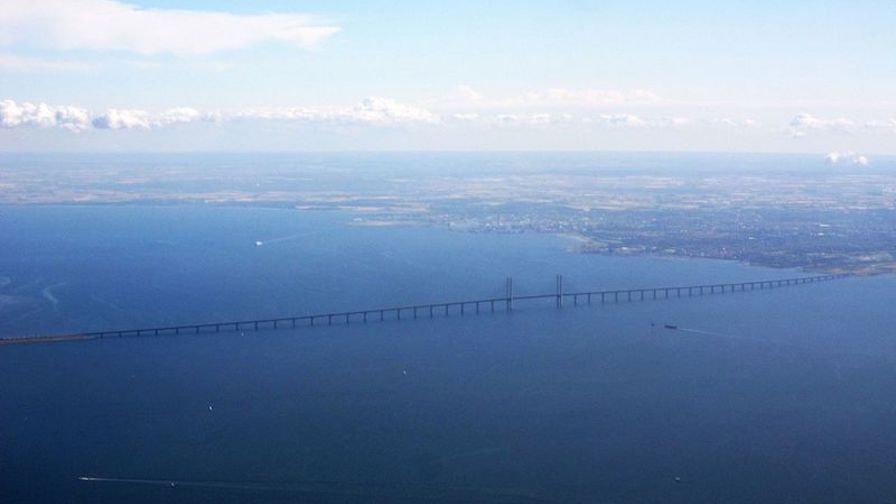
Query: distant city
781	212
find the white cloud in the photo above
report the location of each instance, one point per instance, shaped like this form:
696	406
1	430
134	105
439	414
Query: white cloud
733	123
122	119
13	115
26	114
72	118
632	121
525	119
141	119
514	120
673	122
386	111
802	123
179	115
848	158
624	120
373	110
887	125
277	113
118	26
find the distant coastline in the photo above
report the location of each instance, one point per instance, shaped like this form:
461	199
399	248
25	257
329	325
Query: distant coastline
773	211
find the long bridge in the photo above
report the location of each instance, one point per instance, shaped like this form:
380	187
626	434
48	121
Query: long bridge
474	306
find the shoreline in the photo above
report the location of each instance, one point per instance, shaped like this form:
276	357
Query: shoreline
357	218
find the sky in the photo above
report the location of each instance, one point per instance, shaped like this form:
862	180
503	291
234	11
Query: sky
278	75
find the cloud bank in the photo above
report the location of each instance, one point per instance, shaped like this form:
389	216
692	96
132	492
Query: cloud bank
140	119
42	115
886	125
374	111
803	123
846	158
110	25
381	112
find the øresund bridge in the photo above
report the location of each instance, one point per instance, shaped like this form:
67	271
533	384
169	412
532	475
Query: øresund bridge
505	303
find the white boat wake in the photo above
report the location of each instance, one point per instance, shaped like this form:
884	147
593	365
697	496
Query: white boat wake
259	243
47	292
736	337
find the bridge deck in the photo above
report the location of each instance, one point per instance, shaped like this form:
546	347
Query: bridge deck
434	309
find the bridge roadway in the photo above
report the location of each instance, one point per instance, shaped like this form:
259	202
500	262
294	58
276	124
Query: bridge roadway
477	306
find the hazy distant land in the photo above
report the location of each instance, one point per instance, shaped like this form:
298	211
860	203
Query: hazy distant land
781	211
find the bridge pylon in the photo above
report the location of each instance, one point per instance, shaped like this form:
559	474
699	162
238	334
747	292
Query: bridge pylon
559	291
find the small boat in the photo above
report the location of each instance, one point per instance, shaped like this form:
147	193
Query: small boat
671	326
259	243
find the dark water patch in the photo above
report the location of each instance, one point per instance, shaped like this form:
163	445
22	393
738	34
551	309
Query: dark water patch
573	405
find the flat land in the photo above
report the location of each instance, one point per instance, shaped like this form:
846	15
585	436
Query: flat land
781	212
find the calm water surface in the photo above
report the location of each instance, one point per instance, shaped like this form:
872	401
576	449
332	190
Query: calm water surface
774	396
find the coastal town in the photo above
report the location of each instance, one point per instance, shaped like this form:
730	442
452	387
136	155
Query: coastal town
829	219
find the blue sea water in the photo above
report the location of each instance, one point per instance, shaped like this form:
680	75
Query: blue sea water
784	395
